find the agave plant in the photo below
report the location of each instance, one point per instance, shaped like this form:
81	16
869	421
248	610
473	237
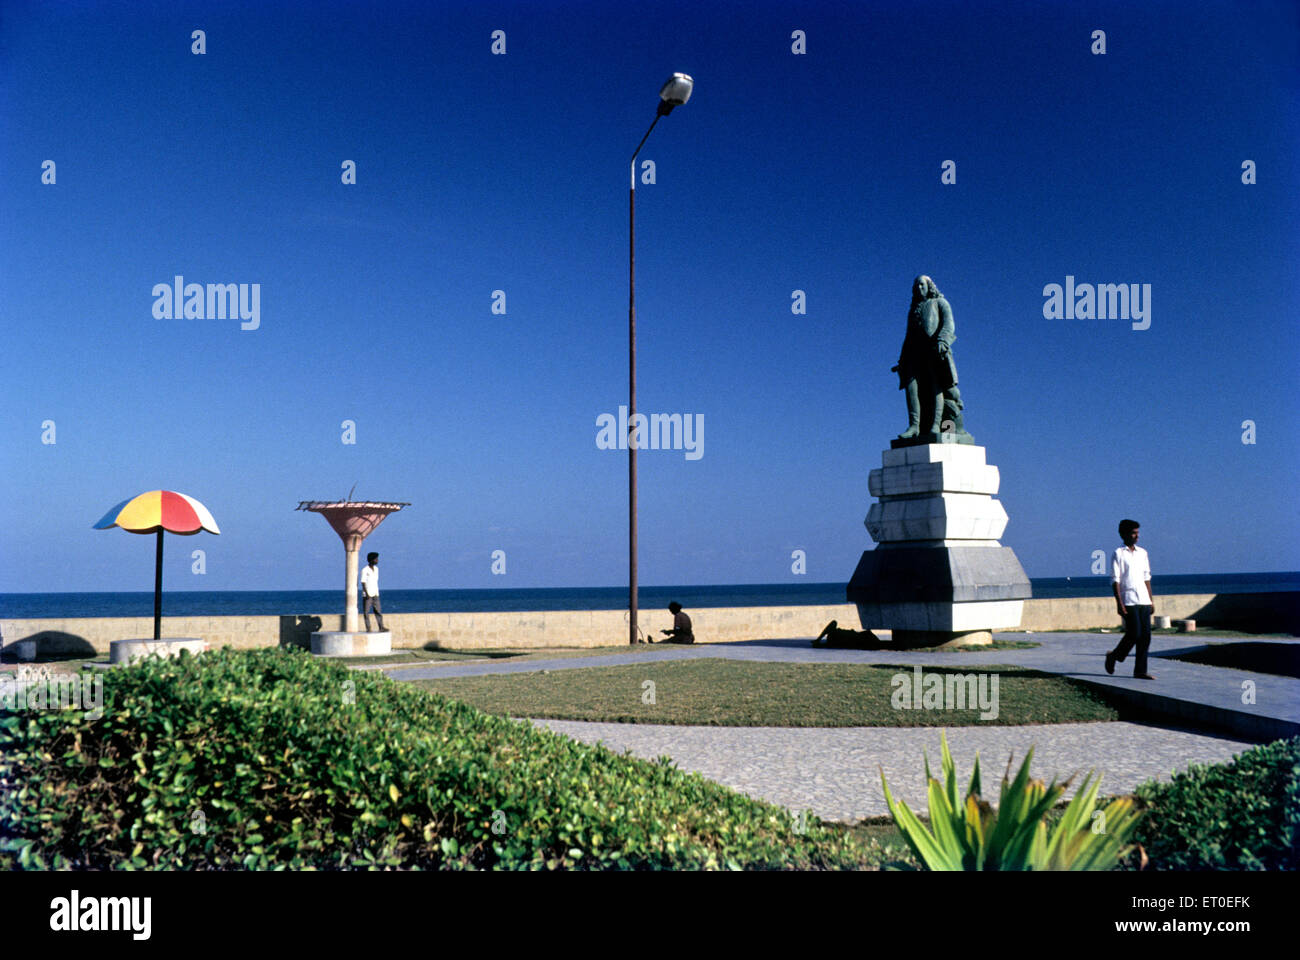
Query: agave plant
971	835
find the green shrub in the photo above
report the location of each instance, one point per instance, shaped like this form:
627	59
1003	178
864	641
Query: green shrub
1243	815
288	774
970	835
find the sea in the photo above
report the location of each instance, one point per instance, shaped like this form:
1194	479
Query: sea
213	603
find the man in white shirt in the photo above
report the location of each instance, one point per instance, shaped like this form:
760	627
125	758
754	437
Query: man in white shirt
1130	569
370	590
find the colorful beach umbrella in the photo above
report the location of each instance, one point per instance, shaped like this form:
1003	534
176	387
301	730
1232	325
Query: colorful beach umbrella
155	512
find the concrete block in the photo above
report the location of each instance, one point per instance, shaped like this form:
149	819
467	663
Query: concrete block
939	477
964	454
341	643
945	516
938	575
125	651
941	617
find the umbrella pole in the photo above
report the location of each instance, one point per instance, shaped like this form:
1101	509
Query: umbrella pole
157	590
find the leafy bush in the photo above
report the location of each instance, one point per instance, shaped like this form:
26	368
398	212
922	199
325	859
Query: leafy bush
257	759
1242	815
971	835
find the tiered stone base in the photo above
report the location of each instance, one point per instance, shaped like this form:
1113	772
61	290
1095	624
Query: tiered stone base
939	577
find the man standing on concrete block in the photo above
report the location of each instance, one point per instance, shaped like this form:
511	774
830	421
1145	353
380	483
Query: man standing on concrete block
370	590
1131	578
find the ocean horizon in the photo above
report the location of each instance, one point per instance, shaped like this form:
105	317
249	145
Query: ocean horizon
181	603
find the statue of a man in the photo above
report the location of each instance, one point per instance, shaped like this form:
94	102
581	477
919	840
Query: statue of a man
926	369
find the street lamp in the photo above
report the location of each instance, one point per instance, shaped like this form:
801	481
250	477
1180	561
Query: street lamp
675	92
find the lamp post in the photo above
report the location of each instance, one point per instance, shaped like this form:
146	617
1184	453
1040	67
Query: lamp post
675	92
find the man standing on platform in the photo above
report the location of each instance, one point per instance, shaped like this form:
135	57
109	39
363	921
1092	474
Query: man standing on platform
370	590
1131	578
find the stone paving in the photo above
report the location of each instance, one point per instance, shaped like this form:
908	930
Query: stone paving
835	772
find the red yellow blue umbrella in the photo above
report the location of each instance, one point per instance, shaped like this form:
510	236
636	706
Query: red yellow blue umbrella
158	511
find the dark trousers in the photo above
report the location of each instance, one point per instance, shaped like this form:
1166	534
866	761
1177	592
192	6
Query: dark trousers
1137	632
379	613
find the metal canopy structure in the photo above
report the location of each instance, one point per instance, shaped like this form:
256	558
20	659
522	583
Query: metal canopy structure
353	521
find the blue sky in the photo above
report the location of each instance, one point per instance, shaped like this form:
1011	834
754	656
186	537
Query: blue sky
478	172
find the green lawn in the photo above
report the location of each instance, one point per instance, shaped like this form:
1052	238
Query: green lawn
885	832
745	693
401	658
398	658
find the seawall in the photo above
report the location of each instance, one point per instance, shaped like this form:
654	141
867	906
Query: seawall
1258	612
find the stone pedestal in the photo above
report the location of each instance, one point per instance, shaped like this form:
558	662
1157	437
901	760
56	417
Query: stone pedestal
939	576
124	651
348	643
942	639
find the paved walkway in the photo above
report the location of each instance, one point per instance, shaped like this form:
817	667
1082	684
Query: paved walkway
835	772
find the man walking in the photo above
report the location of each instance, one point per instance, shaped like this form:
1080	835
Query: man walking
1130	569
370	590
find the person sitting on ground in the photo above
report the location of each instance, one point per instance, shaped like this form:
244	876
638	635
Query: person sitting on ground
835	636
681	631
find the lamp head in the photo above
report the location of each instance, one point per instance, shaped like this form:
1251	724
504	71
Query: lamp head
675	92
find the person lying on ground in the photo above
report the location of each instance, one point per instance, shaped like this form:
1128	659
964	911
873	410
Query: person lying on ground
836	636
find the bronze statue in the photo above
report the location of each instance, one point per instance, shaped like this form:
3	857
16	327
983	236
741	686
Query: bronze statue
926	369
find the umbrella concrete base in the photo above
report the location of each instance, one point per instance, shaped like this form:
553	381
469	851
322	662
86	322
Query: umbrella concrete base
358	643
124	651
